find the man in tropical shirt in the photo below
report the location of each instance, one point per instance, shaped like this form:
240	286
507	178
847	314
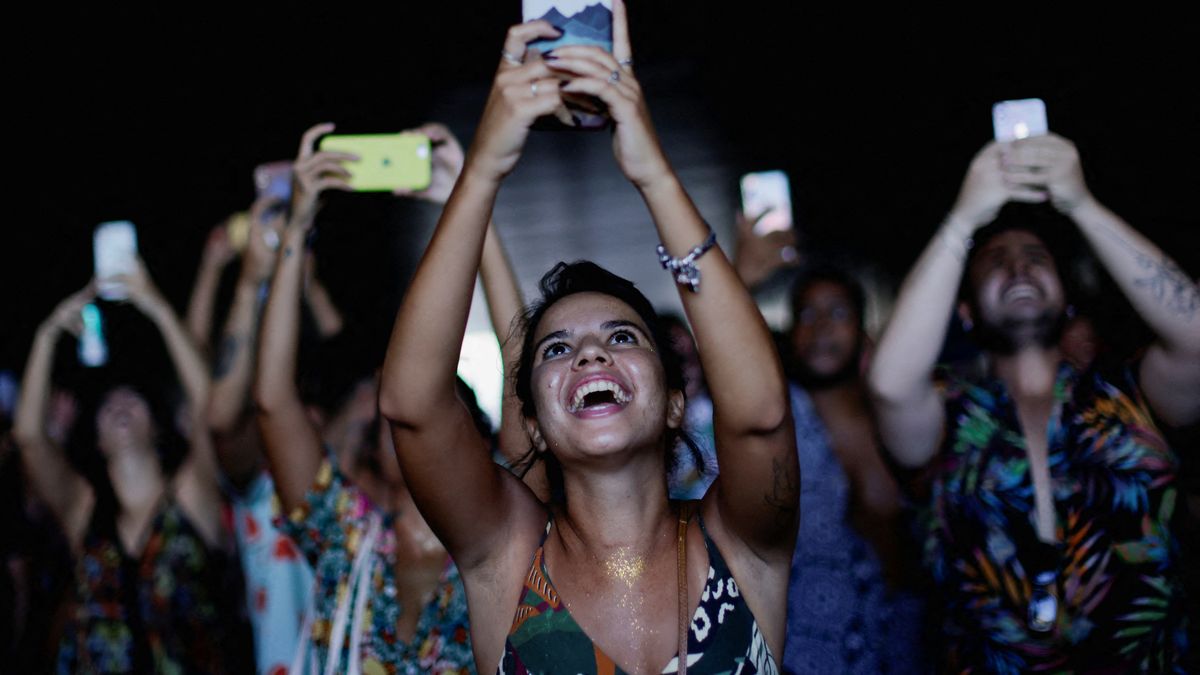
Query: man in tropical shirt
1051	491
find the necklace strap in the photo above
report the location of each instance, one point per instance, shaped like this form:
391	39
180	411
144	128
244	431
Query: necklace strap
685	515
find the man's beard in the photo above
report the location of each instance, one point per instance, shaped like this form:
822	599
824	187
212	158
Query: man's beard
1009	336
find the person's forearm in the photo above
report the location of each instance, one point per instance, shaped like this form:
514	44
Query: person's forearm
29	420
749	390
908	349
275	378
418	371
190	366
505	304
1163	294
324	310
234	363
200	306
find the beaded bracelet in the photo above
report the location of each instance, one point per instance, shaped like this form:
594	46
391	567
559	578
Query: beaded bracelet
684	269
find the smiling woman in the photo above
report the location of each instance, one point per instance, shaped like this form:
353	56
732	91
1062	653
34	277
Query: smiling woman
639	581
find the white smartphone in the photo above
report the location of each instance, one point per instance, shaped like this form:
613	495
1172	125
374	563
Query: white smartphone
1014	120
767	192
582	22
115	247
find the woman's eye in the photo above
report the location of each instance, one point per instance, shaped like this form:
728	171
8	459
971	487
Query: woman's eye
556	349
623	337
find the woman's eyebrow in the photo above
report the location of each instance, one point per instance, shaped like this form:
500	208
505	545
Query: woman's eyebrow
622	323
558	334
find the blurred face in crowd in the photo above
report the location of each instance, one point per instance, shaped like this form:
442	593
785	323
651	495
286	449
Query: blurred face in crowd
124	421
826	333
1016	295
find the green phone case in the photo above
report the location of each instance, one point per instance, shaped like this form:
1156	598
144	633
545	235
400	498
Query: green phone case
386	162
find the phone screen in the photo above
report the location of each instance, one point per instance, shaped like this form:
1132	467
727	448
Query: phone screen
386	162
1014	120
93	350
114	245
767	192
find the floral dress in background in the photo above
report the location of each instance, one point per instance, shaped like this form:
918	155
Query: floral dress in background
159	613
352	549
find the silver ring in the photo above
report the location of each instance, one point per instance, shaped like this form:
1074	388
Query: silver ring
533	88
510	58
615	77
628	63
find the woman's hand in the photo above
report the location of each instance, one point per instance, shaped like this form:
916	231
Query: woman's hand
447	164
314	172
522	92
66	315
143	294
609	77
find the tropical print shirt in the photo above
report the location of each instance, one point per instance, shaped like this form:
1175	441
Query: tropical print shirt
1119	600
331	530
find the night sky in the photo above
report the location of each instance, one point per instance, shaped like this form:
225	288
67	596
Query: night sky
159	116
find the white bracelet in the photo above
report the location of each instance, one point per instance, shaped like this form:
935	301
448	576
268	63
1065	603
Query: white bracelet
684	269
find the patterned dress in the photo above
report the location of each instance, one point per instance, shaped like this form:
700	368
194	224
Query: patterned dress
1119	601
352	549
724	636
841	617
278	581
159	613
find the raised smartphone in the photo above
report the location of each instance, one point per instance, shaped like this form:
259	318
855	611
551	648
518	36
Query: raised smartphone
114	245
274	179
767	192
386	162
582	22
1014	120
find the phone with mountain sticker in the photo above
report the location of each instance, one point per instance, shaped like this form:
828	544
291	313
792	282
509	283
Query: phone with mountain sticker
582	22
767	196
1014	120
114	245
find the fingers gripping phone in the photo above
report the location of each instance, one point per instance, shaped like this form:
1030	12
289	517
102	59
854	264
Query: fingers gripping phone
767	192
386	162
582	22
114	245
1014	120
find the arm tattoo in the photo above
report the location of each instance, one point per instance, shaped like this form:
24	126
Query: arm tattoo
784	495
230	344
1169	285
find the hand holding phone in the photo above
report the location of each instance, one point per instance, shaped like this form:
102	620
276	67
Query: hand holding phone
583	23
767	198
114	245
386	162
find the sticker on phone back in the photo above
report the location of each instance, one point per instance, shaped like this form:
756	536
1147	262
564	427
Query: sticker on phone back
582	22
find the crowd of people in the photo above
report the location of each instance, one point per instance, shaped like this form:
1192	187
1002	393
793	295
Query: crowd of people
660	494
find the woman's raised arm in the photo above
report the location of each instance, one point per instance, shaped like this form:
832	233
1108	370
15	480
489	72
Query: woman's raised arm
292	444
434	436
66	492
758	490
